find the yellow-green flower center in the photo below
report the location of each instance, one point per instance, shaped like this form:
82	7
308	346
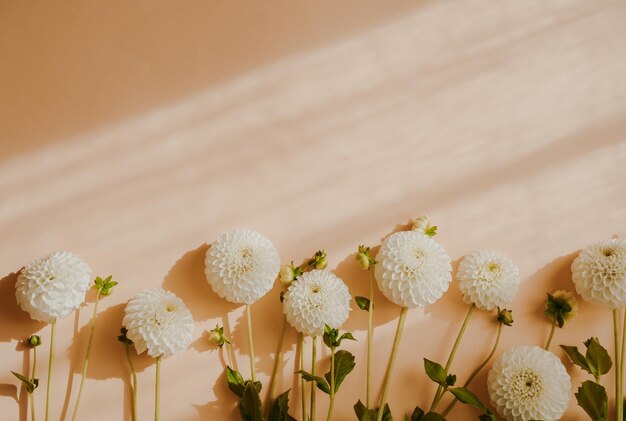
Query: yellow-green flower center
526	385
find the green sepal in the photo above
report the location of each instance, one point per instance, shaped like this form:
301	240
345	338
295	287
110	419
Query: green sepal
31	384
450	379
104	286
332	339
363	303
431	231
593	399
250	406
123	338
280	408
435	372
366	414
321	383
344	364
467	397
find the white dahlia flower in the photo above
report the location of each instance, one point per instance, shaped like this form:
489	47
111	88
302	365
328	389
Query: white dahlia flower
529	383
316	298
599	273
488	279
413	269
158	321
241	266
52	287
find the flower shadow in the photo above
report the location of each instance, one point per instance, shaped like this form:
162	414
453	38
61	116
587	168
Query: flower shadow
16	323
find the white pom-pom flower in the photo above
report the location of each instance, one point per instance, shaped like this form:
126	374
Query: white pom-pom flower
316	298
599	273
52	287
529	383
241	266
159	322
488	279
413	269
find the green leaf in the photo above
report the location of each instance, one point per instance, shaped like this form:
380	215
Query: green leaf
344	364
250	405
347	336
30	385
235	382
280	409
435	372
433	416
593	399
577	358
366	414
363	303
597	357
418	414
321	383
467	397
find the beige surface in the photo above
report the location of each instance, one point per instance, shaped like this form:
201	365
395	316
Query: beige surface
133	134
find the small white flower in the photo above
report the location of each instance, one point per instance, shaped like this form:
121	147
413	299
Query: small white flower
158	321
488	279
52	287
413	269
241	266
316	298
599	273
529	383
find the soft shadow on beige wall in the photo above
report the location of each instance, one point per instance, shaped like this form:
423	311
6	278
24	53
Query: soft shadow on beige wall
505	122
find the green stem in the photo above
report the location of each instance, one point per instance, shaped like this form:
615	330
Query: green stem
32	395
302	381
50	361
440	390
477	370
313	387
370	318
332	384
250	344
87	354
549	341
230	356
619	353
391	363
157	389
134	375
277	361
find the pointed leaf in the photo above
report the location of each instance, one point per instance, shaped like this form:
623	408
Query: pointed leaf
30	385
577	358
433	416
488	416
235	381
344	364
597	357
435	372
366	414
250	405
363	303
347	336
418	414
319	381
280	408
467	397
593	399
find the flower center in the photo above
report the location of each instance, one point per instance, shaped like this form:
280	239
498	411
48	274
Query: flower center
170	308
316	288
489	272
244	263
526	385
608	251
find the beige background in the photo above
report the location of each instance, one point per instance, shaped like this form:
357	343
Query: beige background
135	133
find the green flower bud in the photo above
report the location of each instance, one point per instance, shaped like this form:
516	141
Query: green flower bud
34	340
319	260
505	316
216	336
364	259
561	306
286	275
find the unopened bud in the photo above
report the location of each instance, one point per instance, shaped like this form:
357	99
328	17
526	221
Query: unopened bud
506	317
216	336
34	340
319	260
287	275
363	261
422	224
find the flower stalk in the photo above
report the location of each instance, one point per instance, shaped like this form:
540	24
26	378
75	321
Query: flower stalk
440	391
331	403
157	389
31	395
313	388
619	343
127	344
391	363
50	362
302	381
279	356
250	343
